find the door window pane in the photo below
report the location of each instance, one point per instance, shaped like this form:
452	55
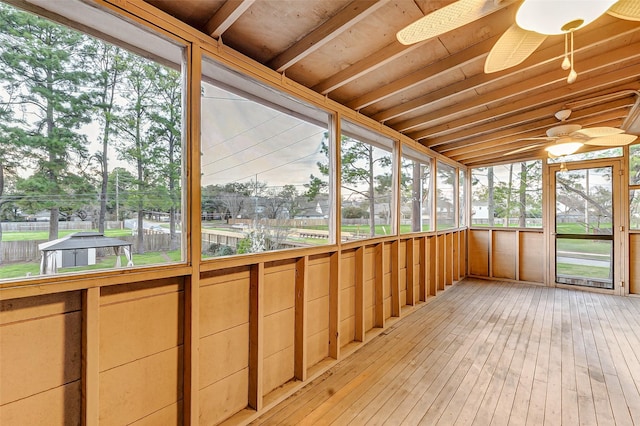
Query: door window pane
584	262
584	201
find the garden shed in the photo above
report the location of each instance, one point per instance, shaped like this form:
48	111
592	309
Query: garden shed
79	249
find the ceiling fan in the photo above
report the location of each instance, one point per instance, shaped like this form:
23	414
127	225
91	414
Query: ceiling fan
535	20
565	139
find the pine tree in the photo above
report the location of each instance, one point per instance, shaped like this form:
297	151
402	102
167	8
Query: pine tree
43	63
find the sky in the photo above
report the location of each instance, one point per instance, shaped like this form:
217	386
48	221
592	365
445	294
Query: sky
244	141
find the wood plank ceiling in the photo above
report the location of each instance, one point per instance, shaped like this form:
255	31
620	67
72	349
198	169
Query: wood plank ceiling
436	91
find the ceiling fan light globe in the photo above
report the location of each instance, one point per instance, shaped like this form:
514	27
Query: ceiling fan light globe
559	17
561	149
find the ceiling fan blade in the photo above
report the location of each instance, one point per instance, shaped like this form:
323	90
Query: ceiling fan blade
524	148
446	19
612	140
598	132
626	9
513	47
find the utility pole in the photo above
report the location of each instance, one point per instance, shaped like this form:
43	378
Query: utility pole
117	201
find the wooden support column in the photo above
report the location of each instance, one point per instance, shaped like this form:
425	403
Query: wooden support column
334	305
490	251
300	345
379	281
424	268
360	309
191	347
193	238
256	334
395	279
518	243
91	356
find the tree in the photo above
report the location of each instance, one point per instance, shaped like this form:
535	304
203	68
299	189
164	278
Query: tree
359	161
166	132
133	125
43	62
234	195
9	160
277	200
109	65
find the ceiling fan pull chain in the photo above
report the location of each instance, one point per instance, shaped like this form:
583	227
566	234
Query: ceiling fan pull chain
565	62
572	74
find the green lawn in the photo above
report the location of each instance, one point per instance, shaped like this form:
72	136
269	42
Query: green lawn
577	228
44	235
584	246
16	270
582	271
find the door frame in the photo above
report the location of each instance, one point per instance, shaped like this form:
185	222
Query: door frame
620	212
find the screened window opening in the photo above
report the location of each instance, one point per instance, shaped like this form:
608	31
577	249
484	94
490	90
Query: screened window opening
367	183
265	168
92	149
415	192
508	195
446	196
462	196
634	187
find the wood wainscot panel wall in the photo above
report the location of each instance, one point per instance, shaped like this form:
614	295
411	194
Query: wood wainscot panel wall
432	265
347	297
40	360
503	257
279	324
462	253
141	362
479	252
449	255
317	299
441	258
224	344
403	278
634	263
386	280
417	274
531	256
369	271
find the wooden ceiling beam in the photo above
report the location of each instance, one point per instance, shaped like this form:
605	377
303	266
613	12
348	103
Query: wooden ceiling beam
383	57
229	13
539	58
538	119
353	13
525	88
627	76
476	52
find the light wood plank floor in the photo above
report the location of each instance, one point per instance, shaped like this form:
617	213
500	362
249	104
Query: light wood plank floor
487	353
